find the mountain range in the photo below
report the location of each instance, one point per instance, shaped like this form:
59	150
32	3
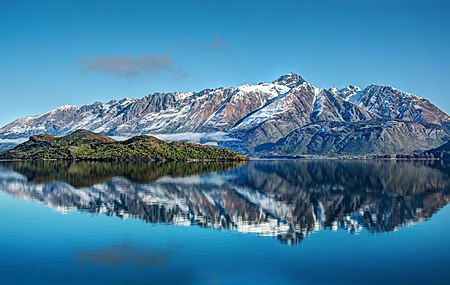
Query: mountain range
284	117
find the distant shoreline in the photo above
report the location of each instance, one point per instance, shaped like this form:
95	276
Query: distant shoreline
348	157
235	160
131	160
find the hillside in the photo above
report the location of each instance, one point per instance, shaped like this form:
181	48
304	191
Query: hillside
86	145
442	152
370	137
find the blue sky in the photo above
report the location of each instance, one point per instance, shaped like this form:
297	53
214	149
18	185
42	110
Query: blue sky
78	52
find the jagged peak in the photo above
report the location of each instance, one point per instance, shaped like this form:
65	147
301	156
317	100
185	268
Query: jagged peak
350	88
392	89
64	108
378	86
290	80
333	89
346	93
384	87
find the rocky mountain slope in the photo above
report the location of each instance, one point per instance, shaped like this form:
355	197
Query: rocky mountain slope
284	199
86	145
241	118
366	137
389	102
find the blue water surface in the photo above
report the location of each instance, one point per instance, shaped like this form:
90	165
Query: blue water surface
40	245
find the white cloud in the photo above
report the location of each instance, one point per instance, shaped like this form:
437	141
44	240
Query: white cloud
13	141
207	138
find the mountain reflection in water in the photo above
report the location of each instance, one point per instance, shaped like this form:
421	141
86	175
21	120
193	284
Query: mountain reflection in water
284	199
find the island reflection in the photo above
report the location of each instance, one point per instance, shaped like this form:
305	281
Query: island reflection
284	199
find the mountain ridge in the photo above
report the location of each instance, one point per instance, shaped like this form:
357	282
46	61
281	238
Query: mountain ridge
246	115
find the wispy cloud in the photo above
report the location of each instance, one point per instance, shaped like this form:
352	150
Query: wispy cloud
204	138
217	43
196	137
127	66
12	141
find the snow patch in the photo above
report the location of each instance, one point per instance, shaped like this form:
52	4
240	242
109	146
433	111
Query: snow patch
319	101
64	108
270	88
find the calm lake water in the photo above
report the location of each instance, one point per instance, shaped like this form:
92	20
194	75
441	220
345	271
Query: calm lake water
263	222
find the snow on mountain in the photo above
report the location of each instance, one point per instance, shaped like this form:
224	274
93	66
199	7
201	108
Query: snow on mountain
388	102
348	92
290	80
318	103
253	114
285	107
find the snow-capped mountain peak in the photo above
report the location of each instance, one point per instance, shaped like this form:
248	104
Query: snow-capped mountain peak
346	93
290	80
349	92
65	107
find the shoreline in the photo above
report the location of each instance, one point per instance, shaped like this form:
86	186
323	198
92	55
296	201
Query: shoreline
363	157
234	160
133	160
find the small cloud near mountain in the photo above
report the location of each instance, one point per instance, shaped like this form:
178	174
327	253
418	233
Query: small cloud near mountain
217	43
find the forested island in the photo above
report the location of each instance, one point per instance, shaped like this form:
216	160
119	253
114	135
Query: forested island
87	145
